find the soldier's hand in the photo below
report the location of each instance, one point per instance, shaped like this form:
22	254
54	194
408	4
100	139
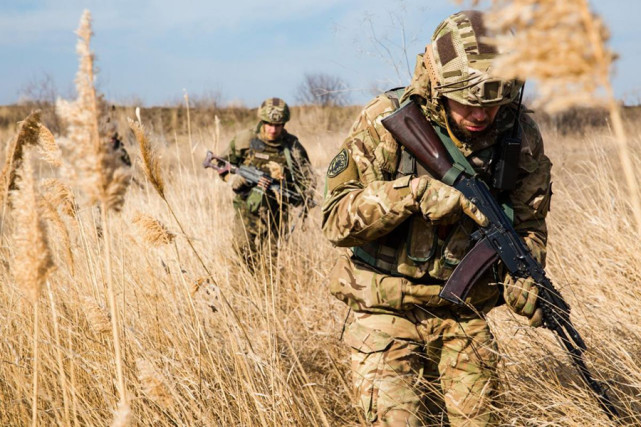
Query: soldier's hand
237	182
521	295
439	202
276	170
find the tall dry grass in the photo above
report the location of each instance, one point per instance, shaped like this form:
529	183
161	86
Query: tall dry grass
186	359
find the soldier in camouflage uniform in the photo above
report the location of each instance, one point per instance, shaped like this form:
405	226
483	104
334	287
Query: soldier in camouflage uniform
418	359
261	219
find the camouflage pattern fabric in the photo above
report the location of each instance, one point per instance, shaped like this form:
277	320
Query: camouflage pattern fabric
367	203
260	220
369	206
460	60
257	233
424	368
273	110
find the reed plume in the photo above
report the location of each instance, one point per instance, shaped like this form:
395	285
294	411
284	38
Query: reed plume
100	171
33	261
153	384
152	230
152	171
59	195
47	147
50	214
563	47
122	415
30	133
150	162
97	316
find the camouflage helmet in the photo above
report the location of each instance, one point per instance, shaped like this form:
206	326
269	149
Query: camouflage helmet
274	110
459	62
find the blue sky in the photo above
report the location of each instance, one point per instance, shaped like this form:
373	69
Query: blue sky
246	50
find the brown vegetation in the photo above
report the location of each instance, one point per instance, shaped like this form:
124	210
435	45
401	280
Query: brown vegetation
204	341
296	371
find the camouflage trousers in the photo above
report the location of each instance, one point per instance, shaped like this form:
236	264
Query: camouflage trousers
424	368
257	235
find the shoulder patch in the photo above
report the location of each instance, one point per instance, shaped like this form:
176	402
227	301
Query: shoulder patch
338	164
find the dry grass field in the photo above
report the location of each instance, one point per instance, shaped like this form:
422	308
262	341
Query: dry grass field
127	305
263	348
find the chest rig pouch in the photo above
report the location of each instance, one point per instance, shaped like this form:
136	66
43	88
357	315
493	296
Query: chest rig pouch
407	250
258	155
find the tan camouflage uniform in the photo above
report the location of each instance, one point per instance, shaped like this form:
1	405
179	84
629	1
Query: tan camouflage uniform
418	359
260	219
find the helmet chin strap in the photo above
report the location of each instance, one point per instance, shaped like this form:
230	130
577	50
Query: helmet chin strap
453	137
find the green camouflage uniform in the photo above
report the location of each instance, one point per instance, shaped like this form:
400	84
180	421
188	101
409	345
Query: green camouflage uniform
260	219
418	359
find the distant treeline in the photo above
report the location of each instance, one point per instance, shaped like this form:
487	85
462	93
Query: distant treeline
170	120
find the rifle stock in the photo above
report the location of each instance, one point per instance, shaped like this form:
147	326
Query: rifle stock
409	126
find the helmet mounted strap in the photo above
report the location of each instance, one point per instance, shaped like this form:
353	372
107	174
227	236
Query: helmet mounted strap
430	66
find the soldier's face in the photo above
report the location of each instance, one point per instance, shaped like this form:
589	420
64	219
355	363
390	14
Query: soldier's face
273	130
471	121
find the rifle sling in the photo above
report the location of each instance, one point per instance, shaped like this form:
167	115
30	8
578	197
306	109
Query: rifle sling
462	165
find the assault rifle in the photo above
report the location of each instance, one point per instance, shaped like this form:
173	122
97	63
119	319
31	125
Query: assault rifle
497	240
252	175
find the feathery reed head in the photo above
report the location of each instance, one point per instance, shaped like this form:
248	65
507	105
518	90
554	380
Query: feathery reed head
50	214
101	173
33	261
49	150
150	162
152	230
97	316
561	45
153	383
29	133
60	196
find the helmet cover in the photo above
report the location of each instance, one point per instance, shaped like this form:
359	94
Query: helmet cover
274	111
460	62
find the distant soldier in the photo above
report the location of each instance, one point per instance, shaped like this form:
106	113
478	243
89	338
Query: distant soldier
261	219
108	130
419	359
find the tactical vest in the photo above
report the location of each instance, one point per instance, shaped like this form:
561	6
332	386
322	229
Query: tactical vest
258	155
419	250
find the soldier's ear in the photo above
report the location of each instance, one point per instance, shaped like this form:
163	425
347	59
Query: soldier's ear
341	169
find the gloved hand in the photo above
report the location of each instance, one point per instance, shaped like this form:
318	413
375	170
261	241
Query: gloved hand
441	203
237	182
521	296
276	170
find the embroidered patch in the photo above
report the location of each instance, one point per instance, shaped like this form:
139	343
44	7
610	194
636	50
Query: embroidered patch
338	164
262	156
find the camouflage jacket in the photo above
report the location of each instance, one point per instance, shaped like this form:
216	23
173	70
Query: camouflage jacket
369	205
251	148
